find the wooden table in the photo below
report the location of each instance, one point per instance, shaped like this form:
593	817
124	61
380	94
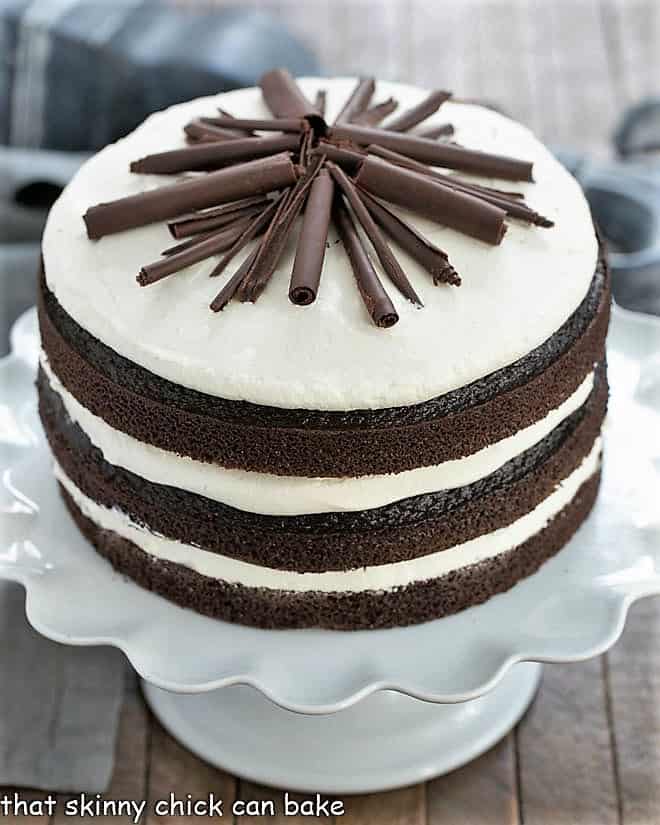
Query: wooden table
588	750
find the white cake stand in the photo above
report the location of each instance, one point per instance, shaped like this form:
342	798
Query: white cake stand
336	712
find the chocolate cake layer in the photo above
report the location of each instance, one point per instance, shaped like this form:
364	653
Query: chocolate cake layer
308	443
403	530
414	603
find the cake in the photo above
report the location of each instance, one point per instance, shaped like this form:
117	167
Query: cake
386	404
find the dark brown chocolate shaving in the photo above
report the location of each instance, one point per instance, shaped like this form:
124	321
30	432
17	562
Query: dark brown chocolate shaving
427	254
232	230
208	219
320	101
441	204
215	155
197	227
229	115
416	114
172	250
274	241
242	178
377	113
436	153
372	231
514	207
348	158
305	148
357	101
191	253
197	131
230	288
310	251
435	132
256	226
376	300
236	182
284	98
273	124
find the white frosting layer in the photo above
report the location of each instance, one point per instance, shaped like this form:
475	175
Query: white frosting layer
287	495
328	355
380	577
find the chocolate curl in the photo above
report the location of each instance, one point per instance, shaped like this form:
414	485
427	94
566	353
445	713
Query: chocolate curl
320	101
411	117
197	131
173	250
274	124
229	289
188	253
348	159
511	205
437	154
273	244
375	298
214	155
385	255
284	98
305	148
376	114
310	252
265	252
232	231
422	194
246	179
229	115
257	225
357	101
214	218
435	132
431	257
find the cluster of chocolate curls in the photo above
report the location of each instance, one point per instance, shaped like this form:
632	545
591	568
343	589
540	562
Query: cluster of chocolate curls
250	179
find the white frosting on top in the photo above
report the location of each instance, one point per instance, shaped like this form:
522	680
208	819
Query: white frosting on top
328	355
377	577
285	496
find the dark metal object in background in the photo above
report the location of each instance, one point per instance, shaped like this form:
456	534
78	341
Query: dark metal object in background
625	201
639	131
78	74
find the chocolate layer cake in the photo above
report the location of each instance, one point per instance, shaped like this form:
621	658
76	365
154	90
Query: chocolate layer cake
383	406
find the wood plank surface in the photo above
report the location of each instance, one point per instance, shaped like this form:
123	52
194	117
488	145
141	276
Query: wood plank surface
633	680
484	792
566	763
30	797
251	792
174	770
405	806
129	781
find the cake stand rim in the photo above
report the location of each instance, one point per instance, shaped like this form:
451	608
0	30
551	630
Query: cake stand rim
21	339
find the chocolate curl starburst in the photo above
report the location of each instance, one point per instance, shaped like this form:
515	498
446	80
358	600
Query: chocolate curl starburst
372	231
245	181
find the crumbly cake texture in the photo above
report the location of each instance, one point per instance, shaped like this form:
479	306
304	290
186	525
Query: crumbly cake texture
292	466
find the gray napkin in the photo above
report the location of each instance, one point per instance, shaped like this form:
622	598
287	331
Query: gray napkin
77	74
59	706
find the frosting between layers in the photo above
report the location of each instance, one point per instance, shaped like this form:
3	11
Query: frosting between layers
327	356
269	494
378	577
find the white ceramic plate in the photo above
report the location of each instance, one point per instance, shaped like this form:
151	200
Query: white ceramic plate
572	609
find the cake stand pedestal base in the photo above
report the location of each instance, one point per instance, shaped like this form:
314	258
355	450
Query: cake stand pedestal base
385	741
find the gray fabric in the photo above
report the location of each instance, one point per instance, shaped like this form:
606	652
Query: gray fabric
77	74
59	706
